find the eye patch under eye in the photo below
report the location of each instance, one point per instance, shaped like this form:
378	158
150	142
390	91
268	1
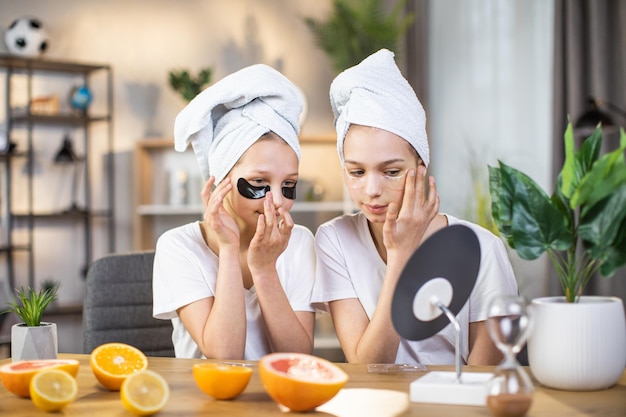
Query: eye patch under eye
248	190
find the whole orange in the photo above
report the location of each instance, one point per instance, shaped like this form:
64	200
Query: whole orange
221	381
300	382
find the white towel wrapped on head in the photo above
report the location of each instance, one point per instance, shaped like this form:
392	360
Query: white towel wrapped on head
374	93
225	119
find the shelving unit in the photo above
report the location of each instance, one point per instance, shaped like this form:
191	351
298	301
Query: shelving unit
151	202
23	125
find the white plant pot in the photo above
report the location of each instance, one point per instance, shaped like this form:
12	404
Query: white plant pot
28	343
577	346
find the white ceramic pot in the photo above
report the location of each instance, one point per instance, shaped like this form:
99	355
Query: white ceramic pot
577	346
38	342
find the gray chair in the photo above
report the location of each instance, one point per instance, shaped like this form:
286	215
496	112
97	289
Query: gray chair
118	305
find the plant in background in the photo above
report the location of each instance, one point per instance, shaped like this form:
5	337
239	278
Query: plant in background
478	206
357	29
187	85
582	226
49	284
32	305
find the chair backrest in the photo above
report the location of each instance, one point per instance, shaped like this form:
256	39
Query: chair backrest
118	305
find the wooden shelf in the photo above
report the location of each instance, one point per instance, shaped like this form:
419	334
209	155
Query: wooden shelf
143	235
41	64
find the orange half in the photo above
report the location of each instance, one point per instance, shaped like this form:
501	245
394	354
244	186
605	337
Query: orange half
112	363
221	381
16	376
299	381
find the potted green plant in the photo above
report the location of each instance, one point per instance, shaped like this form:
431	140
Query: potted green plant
33	338
357	29
582	228
188	85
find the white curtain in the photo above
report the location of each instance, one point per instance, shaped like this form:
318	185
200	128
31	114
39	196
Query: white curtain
489	98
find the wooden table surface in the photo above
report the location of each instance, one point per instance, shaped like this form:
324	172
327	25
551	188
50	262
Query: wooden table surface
186	399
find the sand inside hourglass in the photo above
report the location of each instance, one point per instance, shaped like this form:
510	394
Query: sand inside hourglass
509	405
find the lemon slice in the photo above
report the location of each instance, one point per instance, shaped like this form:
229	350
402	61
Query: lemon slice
53	389
144	393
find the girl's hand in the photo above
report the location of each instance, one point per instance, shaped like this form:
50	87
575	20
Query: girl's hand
217	222
405	226
273	231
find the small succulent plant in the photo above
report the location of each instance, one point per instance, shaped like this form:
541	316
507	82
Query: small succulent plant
30	305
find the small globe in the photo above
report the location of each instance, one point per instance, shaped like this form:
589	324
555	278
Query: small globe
80	98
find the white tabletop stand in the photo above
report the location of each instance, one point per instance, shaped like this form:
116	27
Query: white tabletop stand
430	302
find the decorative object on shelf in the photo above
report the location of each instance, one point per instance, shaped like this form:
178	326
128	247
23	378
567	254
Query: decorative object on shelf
45	106
33	338
80	98
510	391
26	36
355	30
309	190
6	146
582	227
66	155
187	85
178	184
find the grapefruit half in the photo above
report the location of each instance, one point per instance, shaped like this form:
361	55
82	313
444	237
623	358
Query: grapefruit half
299	381
16	376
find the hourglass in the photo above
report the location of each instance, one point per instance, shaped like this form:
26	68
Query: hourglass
509	392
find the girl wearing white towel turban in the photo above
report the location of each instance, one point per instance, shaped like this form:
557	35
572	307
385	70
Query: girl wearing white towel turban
383	148
237	285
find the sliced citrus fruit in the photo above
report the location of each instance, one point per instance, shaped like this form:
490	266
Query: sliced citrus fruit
144	393
221	381
53	389
112	363
300	382
16	376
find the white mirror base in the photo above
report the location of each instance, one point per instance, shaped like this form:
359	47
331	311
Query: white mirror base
443	388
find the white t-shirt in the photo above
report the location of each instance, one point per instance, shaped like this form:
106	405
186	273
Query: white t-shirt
349	266
185	270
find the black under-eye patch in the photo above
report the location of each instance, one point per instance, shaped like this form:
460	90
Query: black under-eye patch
250	191
254	193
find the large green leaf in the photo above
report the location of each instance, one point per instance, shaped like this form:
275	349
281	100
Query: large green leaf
562	204
578	163
606	174
615	256
536	225
568	172
589	152
501	202
600	225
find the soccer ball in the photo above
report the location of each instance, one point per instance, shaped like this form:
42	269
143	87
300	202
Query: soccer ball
26	36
